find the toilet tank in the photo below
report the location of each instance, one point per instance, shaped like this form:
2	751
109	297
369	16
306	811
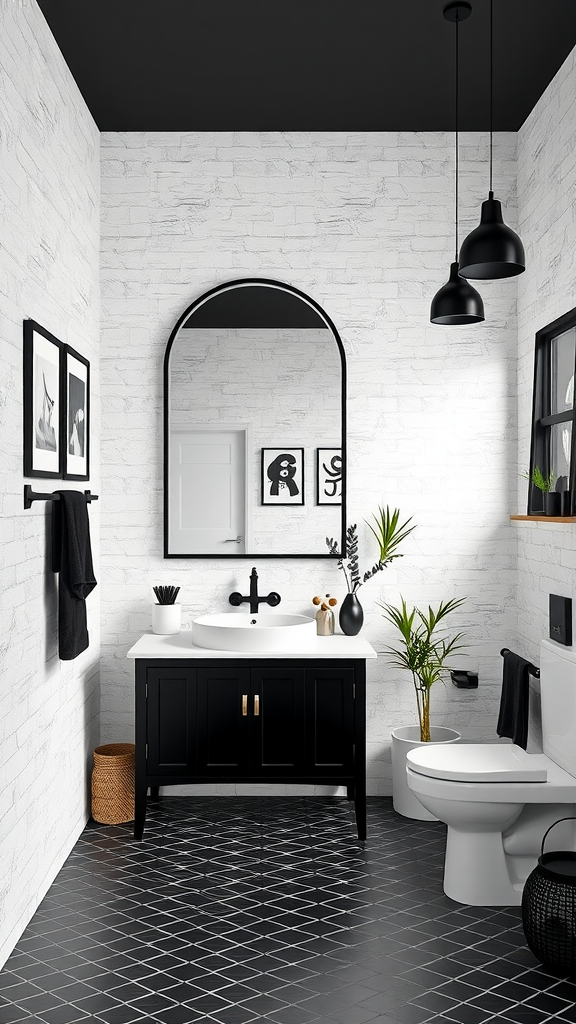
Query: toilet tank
558	703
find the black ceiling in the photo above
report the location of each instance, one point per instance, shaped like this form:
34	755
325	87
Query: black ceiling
307	65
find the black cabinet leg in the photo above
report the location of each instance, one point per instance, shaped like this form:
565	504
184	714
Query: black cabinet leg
349	792
360	809
139	809
154	792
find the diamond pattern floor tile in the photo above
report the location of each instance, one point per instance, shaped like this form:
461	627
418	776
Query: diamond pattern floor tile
244	909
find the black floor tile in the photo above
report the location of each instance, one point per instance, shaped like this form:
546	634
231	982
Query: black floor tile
239	909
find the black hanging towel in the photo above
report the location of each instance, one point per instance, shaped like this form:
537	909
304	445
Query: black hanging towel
513	717
72	558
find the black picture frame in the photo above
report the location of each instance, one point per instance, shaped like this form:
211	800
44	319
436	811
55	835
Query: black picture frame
75	420
329	476
277	479
42	382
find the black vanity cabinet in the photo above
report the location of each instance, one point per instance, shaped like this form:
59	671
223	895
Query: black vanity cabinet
250	720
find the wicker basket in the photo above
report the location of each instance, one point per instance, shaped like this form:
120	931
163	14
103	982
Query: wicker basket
549	909
113	783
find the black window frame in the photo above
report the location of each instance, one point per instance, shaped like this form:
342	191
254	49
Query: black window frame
543	419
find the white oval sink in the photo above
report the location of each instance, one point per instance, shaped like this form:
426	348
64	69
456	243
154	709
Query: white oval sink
241	631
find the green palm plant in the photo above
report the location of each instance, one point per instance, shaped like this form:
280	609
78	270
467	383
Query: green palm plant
423	652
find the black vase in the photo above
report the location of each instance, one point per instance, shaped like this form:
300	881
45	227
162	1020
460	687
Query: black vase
351	615
551	503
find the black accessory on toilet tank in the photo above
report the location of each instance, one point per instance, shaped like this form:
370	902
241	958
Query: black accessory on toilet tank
561	619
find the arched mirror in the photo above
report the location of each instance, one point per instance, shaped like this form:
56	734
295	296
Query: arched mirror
254	426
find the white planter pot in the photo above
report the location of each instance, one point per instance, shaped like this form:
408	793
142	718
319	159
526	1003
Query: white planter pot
166	618
406	738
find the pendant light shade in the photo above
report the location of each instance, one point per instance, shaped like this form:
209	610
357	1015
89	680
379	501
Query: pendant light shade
457	302
492	250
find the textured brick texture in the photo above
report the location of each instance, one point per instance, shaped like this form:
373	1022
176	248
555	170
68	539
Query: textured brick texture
546	556
49	194
363	224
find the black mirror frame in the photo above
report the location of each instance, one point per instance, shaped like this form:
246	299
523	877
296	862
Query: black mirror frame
166	414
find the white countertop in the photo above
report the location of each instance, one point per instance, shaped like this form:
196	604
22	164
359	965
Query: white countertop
153	645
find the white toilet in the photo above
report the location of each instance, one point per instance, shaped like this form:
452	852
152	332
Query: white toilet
498	801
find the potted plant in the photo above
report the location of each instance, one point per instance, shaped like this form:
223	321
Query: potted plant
389	533
551	499
166	613
424	652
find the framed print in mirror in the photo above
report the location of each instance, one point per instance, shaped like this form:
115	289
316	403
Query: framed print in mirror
76	420
42	402
328	476
282	476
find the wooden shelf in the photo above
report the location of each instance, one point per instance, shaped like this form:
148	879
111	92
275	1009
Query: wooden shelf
546	519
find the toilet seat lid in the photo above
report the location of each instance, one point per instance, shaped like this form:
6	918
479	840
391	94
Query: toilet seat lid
477	762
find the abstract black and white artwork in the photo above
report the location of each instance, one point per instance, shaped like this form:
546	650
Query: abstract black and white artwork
282	476
328	476
42	402
76	439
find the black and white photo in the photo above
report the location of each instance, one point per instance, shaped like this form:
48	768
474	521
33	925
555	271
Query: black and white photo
42	402
282	476
76	422
328	476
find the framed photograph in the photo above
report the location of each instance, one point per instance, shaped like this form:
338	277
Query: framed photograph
42	402
328	476
76	418
282	476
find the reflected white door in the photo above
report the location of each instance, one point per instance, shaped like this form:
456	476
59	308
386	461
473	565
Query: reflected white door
208	491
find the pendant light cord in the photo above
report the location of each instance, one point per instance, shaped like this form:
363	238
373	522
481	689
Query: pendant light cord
491	86
457	121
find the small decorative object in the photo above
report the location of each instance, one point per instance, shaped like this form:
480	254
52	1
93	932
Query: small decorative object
325	615
282	476
166	614
76	418
113	783
389	535
328	476
551	499
42	402
549	909
351	616
424	655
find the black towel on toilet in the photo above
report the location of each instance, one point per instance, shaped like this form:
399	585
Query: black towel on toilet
513	717
72	558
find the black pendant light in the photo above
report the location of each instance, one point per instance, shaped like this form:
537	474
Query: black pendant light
457	302
492	250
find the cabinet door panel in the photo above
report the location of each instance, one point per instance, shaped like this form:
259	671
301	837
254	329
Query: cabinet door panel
171	720
277	721
223	694
330	720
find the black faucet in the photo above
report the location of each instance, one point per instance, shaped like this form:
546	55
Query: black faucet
254	600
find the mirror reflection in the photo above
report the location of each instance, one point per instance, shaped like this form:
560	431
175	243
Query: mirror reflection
254	426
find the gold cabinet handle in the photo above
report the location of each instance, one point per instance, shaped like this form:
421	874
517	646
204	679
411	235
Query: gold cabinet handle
244	703
256	703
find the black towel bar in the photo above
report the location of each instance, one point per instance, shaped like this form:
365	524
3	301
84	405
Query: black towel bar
531	668
30	496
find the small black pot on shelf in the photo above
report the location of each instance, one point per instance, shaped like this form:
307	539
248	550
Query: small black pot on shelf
351	616
552	500
565	503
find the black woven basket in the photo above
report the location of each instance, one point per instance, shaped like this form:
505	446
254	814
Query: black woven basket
549	909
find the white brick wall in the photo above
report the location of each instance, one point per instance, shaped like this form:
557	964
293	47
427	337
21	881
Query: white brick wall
49	195
547	222
362	223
